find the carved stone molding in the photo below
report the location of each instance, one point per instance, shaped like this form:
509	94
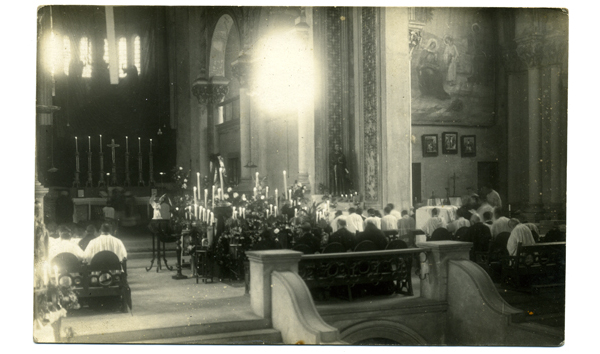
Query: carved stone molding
219	87
241	68
554	48
530	50
210	91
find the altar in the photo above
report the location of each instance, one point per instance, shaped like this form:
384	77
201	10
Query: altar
83	207
446	212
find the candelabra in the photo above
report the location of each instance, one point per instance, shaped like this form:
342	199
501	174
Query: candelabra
140	177
89	182
151	181
101	182
76	182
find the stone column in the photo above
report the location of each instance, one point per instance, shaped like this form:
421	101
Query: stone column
241	68
529	49
262	264
554	48
435	284
395	108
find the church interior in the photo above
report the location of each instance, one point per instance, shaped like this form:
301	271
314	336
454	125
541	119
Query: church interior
199	147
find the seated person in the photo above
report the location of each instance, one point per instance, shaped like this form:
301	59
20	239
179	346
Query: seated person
307	238
268	241
343	236
388	221
374	218
479	234
405	224
64	244
105	242
372	233
334	223
90	234
534	231
433	223
520	234
458	223
500	223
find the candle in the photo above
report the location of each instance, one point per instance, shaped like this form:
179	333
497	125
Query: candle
290	194
508	207
254	191
205	198
276	198
100	143
256	182
275	210
221	177
213	196
140	144
195	199
76	148
219	193
198	183
150	145
271	208
267	192
285	185
126	144
295	213
89	143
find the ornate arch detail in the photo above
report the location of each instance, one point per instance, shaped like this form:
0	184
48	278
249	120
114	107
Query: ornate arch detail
381	329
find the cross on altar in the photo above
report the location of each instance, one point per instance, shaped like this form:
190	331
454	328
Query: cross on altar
112	145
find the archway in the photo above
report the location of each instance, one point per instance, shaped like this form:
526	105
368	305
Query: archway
381	331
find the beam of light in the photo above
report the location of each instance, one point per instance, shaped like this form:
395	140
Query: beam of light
283	73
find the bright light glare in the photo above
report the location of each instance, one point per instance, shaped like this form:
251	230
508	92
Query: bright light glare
284	75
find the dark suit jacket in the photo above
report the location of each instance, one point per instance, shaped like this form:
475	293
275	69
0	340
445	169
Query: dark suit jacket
345	237
373	234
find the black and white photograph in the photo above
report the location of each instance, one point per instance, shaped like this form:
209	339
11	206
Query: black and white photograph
242	175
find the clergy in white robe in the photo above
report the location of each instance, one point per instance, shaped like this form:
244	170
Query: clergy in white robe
105	242
373	220
492	197
457	224
520	234
388	221
395	213
64	244
354	222
500	225
434	223
334	223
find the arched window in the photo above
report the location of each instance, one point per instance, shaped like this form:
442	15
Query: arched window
85	55
66	54
122	56
137	54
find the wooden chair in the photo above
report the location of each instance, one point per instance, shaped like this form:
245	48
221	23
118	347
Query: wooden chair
106	276
441	234
396	245
365	246
302	248
334	247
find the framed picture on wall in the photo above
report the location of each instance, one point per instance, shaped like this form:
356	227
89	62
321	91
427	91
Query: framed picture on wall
430	145
468	148
450	143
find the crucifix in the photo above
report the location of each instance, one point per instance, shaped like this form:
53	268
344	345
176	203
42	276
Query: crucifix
453	178
113	177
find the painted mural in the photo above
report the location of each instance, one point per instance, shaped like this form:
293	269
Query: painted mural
453	69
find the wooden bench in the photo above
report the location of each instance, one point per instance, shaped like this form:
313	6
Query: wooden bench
535	266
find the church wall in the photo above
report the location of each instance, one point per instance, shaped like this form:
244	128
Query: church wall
436	171
181	46
282	151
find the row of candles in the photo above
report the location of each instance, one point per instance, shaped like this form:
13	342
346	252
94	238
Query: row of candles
126	144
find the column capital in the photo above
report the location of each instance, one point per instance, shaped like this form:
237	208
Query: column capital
530	49
241	68
554	48
210	91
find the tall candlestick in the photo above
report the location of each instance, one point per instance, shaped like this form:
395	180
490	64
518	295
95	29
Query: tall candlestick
267	192
100	142
139	143
221	177
89	143
285	185
195	196
76	148
290	194
256	182
255	192
271	208
198	183
150	144
126	144
219	193
213	196
206	198
275	210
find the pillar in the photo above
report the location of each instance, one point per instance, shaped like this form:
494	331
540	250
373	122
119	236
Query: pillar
529	49
395	108
241	70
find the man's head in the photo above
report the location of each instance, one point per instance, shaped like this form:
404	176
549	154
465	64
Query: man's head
487	216
106	229
377	213
64	232
341	222
434	212
391	206
512	223
370	222
404	213
475	219
371	212
387	210
497	212
352	210
90	230
338	213
359	211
